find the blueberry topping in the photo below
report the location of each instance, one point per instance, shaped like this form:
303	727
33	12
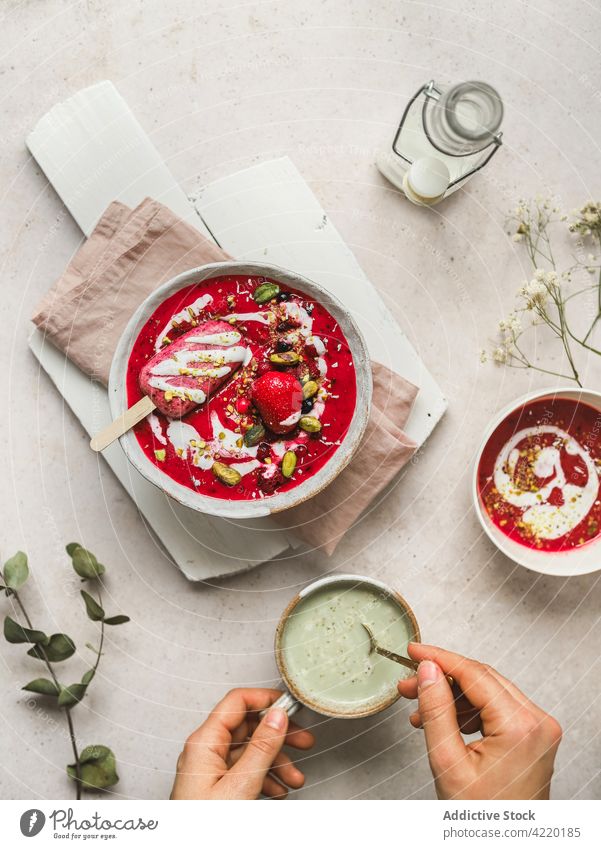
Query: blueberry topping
307	405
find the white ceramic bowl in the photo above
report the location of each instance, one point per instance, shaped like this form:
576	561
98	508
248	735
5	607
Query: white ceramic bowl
278	501
575	561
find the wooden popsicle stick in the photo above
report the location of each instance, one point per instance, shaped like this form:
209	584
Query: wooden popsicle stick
121	425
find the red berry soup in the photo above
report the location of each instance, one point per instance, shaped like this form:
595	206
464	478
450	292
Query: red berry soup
254	386
538	476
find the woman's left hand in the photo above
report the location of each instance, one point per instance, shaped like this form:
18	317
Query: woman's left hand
236	755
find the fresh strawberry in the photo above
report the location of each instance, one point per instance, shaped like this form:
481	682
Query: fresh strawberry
278	396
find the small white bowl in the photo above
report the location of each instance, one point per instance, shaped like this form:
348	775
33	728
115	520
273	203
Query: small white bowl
233	509
574	561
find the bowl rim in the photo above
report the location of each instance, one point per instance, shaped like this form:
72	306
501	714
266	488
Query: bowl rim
536	561
222	507
370	708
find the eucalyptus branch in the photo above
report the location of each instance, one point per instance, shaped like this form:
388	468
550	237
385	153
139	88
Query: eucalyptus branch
50	668
95	766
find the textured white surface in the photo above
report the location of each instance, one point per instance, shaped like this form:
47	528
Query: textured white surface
220	89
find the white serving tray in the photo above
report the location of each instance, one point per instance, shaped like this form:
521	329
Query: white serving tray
93	151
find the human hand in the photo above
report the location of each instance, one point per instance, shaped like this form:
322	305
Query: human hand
236	755
514	757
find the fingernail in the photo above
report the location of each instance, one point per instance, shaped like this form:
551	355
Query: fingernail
428	673
276	718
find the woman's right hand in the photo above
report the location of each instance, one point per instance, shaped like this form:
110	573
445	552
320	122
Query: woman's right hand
514	757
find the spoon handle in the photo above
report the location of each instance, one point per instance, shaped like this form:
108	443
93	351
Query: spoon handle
406	661
398	658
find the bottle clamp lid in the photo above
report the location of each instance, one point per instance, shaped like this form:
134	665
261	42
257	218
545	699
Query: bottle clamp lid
426	181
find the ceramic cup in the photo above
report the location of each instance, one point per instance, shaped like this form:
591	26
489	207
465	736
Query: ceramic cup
292	700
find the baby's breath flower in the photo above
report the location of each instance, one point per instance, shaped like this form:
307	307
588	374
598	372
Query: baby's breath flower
544	298
535	293
587	219
511	325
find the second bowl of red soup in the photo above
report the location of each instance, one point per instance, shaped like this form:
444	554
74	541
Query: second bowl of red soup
536	481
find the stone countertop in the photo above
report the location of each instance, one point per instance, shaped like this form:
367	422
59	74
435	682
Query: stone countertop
323	82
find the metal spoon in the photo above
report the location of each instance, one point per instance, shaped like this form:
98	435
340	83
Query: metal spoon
398	658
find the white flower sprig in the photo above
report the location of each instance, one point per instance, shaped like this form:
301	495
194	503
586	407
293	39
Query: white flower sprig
544	298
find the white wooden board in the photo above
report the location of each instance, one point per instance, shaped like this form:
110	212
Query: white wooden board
93	151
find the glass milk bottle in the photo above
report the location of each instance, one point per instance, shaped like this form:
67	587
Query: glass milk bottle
446	134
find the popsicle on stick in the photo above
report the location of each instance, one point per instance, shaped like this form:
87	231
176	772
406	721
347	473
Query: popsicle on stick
182	376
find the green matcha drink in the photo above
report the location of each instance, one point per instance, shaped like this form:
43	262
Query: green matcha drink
326	650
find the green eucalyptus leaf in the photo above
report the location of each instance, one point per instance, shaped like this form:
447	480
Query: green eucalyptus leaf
97	767
71	695
16	633
93	609
43	686
85	564
87	676
59	647
71	547
16	570
116	620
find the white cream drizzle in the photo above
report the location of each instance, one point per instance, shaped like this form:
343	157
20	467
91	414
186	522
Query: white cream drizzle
227	338
318	344
192	310
547	521
245	468
180	435
179	360
196	395
262	317
156	428
299	315
280	447
318	408
291	419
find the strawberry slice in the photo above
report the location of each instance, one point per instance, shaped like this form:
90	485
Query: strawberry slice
185	373
278	396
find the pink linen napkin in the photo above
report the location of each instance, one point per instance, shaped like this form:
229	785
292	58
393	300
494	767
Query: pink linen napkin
129	254
323	520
